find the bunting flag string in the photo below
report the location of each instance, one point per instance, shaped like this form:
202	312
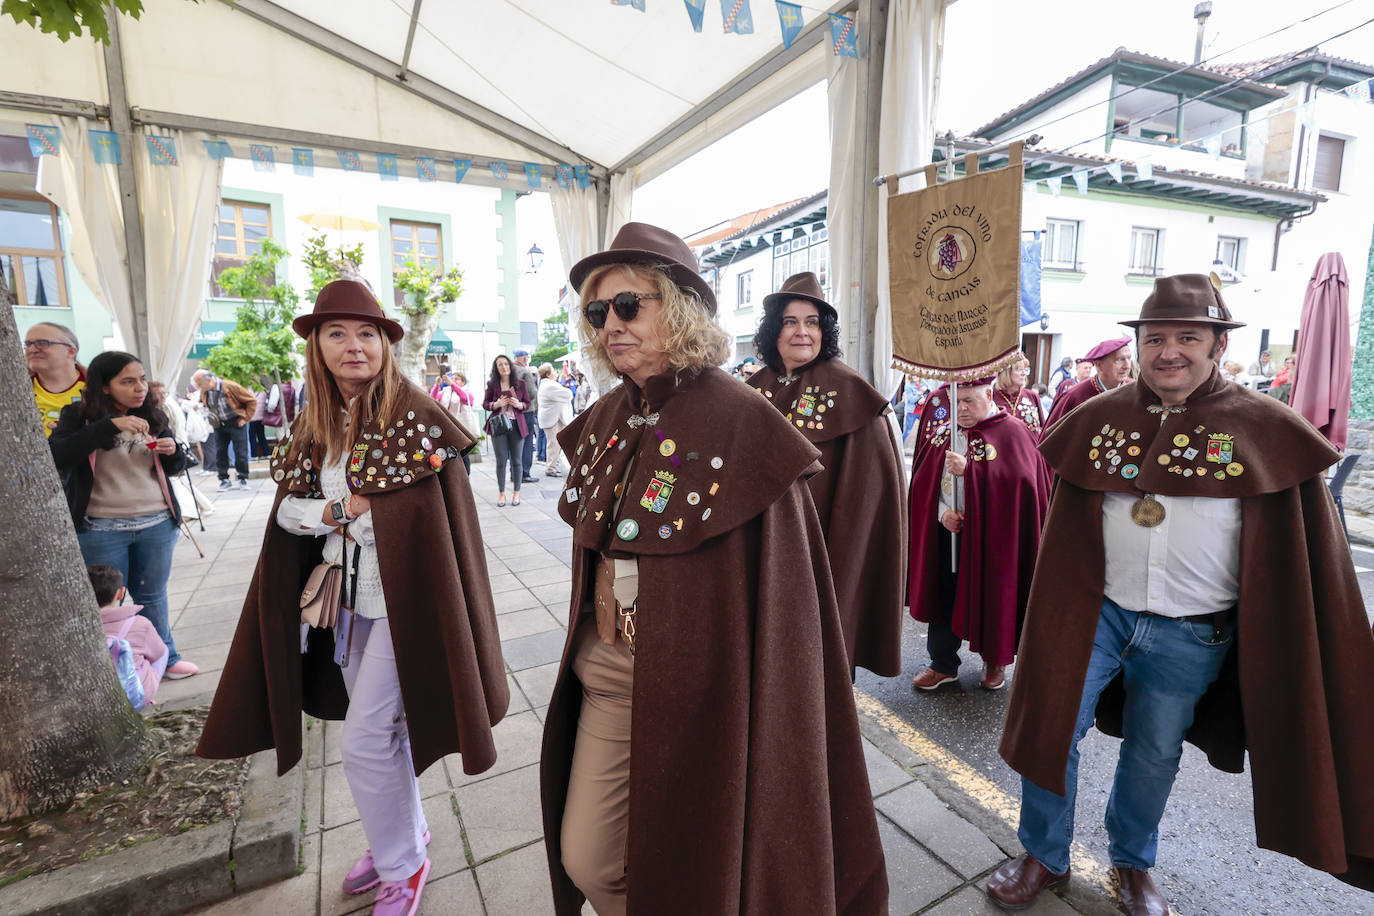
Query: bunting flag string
790	19
563	173
162	151
44	139
533	174
1114	170
1361	91
843	38
350	161
1055	184
303	161
584	176
218	149
105	147
637	4
1080	180
737	17
696	11
460	168
387	167
498	171
425	169
264	157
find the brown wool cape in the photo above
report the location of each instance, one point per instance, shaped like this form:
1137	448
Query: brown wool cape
438	600
1295	692
860	497
748	791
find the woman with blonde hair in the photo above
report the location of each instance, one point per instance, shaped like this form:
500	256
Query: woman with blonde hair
1011	393
702	611
367	480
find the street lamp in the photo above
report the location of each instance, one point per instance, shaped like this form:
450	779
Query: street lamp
1044	321
536	259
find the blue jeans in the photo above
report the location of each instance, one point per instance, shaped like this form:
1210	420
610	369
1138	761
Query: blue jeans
542	450
144	558
911	419
1168	666
526	461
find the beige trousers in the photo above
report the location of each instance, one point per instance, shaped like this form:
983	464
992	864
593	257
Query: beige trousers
596	811
551	434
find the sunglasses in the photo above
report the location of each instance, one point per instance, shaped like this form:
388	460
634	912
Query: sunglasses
626	307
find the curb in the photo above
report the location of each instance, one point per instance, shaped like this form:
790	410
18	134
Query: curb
177	873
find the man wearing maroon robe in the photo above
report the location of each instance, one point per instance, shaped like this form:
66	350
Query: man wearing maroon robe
991	529
1112	360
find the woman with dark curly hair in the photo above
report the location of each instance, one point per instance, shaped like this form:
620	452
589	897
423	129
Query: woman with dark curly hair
860	495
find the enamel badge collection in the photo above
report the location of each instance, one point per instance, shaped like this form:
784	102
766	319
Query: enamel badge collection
586	481
398	455
808	410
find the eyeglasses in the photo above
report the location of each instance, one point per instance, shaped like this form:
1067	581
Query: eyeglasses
44	344
626	307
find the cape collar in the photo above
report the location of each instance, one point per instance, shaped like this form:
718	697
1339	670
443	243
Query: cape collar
823	400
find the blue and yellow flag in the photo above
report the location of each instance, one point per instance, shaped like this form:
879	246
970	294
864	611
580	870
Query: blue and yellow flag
218	149
498	171
425	169
790	18
162	150
534	174
584	177
564	174
350	162
303	161
43	140
737	17
264	157
696	11
460	168
105	147
844	37
387	167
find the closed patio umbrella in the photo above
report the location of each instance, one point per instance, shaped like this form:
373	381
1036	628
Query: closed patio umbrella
1321	386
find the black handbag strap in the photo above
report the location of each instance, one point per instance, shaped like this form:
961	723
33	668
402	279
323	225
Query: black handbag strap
348	590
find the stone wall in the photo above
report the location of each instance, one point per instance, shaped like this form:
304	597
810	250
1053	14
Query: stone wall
1358	495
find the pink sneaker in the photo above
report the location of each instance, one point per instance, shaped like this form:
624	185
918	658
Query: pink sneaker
401	898
180	670
363	875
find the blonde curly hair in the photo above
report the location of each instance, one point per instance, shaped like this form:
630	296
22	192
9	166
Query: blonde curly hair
691	337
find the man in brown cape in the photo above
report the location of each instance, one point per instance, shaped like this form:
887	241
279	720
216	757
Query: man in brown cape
1112	360
994	534
1160	610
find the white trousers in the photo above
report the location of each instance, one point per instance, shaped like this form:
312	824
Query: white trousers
376	754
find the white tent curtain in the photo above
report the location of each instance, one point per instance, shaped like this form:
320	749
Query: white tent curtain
180	209
88	195
622	196
844	204
906	135
574	219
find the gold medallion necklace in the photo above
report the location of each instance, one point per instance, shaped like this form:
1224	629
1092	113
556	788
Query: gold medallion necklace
1147	512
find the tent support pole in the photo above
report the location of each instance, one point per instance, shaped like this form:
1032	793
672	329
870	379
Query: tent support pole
122	124
873	20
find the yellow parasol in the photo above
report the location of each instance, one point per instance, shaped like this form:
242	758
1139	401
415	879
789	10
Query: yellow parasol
326	219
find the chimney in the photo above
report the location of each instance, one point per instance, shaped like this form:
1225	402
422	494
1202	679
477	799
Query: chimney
1200	13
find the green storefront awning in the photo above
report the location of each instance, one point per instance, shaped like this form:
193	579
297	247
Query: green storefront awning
210	335
440	344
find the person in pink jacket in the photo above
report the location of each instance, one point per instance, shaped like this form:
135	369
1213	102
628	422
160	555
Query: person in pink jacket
123	621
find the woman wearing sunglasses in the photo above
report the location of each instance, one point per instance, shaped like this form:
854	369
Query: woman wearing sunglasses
702	611
506	401
860	496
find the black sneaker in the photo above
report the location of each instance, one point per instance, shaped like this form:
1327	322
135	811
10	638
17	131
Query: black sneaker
243	483
225	485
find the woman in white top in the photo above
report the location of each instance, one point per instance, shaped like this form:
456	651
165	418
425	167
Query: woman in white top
555	412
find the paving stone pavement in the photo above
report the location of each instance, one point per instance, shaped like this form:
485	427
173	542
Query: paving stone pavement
487	853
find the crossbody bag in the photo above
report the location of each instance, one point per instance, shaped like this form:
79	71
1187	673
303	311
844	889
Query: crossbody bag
327	600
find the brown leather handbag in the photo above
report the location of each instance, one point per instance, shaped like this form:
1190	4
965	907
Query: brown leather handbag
324	593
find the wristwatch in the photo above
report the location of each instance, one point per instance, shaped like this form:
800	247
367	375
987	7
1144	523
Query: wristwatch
336	509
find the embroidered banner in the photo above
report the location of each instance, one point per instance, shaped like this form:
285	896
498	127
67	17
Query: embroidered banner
954	255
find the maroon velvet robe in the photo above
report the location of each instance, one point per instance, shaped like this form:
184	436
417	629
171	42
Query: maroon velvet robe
1024	406
1070	398
1006	493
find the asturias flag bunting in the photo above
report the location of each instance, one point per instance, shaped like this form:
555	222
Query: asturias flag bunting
844	40
264	157
44	140
696	11
737	17
105	147
425	169
218	149
534	174
498	171
790	18
350	162
303	161
387	167
584	176
564	174
460	168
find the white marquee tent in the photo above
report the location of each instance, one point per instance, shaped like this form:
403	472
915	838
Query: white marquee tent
626	93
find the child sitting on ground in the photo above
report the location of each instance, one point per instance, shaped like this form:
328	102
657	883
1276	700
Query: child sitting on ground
123	622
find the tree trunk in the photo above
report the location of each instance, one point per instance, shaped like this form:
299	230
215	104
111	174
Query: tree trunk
66	723
410	351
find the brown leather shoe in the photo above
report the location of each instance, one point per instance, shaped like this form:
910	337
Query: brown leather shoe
994	677
1017	883
929	679
1139	893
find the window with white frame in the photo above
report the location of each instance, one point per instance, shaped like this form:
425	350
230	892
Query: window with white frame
1230	253
1060	248
744	289
1145	255
820	263
780	274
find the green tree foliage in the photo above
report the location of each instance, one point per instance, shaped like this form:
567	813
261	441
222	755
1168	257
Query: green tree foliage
327	265
262	342
1362	380
66	18
554	343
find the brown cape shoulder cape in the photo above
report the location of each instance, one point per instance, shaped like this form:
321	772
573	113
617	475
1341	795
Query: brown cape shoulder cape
438	597
1296	692
748	792
860	498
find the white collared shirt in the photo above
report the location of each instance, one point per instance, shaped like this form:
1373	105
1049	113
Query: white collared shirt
949	484
1187	564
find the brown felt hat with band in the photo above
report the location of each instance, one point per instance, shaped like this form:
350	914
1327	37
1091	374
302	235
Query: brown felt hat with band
1185	297
640	243
805	286
348	299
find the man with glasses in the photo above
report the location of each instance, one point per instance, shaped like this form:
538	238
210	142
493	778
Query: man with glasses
58	379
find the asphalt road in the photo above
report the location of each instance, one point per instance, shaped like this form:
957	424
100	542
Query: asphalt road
1208	862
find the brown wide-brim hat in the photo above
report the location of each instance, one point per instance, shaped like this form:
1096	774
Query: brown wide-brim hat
806	286
640	243
1186	297
347	299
